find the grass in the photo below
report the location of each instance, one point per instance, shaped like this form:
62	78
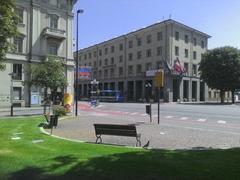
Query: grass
60	159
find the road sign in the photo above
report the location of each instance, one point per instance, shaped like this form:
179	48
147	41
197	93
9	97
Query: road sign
159	79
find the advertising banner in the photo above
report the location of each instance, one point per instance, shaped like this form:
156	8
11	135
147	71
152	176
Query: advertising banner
84	72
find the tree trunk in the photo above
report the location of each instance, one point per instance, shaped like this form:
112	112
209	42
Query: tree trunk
45	101
233	98
222	92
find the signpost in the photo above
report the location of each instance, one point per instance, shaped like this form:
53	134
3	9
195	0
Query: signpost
159	83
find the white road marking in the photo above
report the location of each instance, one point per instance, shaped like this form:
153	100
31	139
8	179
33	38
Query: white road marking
168	117
155	115
133	113
144	114
201	120
221	122
162	133
184	118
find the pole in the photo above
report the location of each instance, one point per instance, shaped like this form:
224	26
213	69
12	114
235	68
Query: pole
158	96
12	95
76	74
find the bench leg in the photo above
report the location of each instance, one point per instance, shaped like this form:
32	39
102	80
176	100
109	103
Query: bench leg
138	142
98	137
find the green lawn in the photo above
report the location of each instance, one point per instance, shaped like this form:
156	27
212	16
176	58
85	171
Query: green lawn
59	159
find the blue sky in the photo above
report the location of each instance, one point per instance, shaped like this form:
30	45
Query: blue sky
105	19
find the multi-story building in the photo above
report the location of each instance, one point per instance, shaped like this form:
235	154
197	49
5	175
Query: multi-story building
45	28
129	62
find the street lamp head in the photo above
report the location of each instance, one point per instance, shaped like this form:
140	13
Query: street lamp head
80	11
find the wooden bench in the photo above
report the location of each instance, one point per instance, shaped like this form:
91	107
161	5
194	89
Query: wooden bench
116	130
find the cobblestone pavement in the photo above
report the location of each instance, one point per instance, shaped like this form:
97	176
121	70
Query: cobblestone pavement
169	134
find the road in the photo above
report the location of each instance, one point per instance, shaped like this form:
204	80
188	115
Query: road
182	125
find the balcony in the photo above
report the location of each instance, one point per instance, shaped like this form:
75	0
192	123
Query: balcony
54	33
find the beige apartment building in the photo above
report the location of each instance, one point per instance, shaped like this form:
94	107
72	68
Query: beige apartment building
129	62
45	28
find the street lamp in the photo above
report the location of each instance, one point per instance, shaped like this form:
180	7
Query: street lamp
11	92
76	72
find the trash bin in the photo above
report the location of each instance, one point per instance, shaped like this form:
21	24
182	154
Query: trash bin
53	121
148	109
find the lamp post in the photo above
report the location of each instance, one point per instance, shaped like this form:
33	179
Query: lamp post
76	71
11	93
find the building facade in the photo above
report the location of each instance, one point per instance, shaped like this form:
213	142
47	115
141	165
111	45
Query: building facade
129	62
45	28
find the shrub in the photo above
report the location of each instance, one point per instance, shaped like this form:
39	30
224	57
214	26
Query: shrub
59	110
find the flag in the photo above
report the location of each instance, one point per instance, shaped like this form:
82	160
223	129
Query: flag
177	67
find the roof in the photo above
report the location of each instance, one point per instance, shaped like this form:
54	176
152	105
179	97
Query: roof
168	21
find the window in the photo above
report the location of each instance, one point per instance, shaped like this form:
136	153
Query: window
17	70
159	65
112	60
53	21
186	53
112	49
194	55
139	69
90	64
194	41
149	38
202	44
149	53
95	64
53	48
130	44
112	72
95	54
186	67
120	47
89	55
106	51
53	2
120	58
139	41
106	73
159	51
194	66
100	62
201	56
106	62
100	73
176	51
176	35
148	66
94	74
130	69
18	43
17	93
120	71
139	54
85	56
186	38
19	13
100	52
130	56
159	36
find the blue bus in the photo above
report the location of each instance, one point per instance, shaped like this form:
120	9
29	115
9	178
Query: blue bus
110	96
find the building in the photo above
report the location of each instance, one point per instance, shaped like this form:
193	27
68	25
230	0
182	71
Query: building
129	63
45	28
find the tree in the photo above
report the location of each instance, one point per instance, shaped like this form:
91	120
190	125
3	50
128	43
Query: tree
8	28
48	75
220	69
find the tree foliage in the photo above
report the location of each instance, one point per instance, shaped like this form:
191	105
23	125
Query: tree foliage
8	28
220	69
49	74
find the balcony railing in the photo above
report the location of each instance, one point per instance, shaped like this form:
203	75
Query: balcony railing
54	33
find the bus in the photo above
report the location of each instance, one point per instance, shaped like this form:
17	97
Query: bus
109	96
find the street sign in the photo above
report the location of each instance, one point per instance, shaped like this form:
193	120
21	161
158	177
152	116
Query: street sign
159	79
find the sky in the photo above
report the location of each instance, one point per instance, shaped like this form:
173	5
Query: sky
105	19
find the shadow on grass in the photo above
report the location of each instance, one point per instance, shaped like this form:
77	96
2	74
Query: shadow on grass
146	165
